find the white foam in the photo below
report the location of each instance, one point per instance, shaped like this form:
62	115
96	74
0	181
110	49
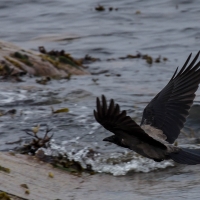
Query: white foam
113	163
11	97
136	165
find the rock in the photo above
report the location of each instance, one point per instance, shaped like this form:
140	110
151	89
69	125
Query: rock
14	60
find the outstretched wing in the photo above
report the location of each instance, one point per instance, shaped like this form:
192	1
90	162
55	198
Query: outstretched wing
168	110
117	122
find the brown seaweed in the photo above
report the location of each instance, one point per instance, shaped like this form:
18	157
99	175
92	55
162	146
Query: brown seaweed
37	142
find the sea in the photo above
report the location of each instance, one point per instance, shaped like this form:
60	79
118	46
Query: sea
113	32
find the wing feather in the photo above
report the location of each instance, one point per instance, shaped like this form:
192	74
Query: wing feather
115	121
168	110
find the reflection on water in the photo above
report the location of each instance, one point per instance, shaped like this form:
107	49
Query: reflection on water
79	29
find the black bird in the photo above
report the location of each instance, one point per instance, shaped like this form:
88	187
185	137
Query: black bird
162	119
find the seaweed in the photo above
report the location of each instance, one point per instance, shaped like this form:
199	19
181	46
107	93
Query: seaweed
64	163
11	112
14	62
72	166
43	80
149	59
52	52
4	169
89	59
24	186
36	148
27	192
138	12
66	60
157	60
99	8
62	110
51	175
22	58
50	59
4	196
37	142
8	73
165	59
138	55
56	58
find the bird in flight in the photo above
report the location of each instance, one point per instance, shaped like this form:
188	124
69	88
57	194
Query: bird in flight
162	119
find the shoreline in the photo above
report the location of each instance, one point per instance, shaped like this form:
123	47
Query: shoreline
30	178
43	181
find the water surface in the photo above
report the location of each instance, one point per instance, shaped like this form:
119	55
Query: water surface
161	28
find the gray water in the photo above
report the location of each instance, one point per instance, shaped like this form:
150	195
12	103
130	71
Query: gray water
162	28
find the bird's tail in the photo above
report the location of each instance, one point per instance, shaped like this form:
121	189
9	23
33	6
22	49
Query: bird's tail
186	156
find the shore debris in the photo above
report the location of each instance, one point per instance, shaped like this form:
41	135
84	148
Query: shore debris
24	186
63	162
27	192
7	72
59	57
4	169
4	196
102	8
149	59
138	12
99	8
51	175
22	58
43	80
89	59
62	110
37	142
11	112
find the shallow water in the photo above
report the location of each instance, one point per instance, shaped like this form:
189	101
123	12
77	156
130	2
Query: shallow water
163	28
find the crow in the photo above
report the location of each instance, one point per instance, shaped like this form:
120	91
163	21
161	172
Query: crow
162	119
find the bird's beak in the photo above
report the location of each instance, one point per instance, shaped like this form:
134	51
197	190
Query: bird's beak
109	139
